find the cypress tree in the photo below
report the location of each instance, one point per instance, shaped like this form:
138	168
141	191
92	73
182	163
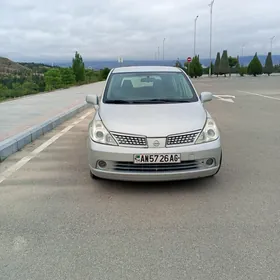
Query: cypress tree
268	68
217	65
78	67
224	64
255	67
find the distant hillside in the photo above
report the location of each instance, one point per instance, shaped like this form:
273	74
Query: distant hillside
101	64
36	67
9	66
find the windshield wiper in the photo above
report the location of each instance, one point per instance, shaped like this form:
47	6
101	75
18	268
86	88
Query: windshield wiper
118	101
147	101
163	100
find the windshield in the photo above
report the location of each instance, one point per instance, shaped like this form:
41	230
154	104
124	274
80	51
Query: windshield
155	87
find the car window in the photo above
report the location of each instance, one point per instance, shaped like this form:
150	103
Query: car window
145	87
139	81
174	83
183	87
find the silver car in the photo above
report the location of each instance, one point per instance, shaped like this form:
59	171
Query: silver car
150	125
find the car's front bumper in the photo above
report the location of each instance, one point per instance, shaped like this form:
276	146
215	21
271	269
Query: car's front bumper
120	162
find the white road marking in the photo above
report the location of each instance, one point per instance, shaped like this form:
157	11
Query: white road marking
261	95
8	172
84	116
226	98
76	122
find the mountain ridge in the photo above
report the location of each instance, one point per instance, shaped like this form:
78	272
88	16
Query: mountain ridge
100	64
9	66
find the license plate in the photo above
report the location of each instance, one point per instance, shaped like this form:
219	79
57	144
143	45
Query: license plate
157	158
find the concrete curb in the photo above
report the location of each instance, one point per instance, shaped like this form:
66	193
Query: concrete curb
17	142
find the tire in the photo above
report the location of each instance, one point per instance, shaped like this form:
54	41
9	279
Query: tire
93	176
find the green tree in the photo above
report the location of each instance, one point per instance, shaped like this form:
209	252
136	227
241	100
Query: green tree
53	79
104	73
67	76
268	68
186	67
17	90
4	92
232	61
196	69
199	69
78	67
224	64
29	88
255	67
233	64
93	76
217	65
9	80
190	70
39	80
276	68
242	70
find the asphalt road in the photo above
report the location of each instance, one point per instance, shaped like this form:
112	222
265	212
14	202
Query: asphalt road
56	223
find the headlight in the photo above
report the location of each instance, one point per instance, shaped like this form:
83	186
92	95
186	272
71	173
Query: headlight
209	133
100	134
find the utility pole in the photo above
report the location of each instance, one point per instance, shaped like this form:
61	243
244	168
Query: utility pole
194	41
158	53
271	42
211	13
163	49
242	52
243	49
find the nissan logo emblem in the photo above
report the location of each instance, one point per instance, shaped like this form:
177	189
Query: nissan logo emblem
156	143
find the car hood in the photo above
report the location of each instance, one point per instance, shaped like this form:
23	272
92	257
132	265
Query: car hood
153	120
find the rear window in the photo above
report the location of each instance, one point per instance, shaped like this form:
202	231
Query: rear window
169	86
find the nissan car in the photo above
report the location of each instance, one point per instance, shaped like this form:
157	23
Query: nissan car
150	124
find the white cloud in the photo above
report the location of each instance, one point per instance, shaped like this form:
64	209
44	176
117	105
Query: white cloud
135	29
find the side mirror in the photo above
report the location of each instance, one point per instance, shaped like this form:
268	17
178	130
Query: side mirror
92	99
206	96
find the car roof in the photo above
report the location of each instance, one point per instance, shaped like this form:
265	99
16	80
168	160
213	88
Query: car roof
133	69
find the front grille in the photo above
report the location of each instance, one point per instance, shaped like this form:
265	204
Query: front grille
164	167
129	140
187	138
